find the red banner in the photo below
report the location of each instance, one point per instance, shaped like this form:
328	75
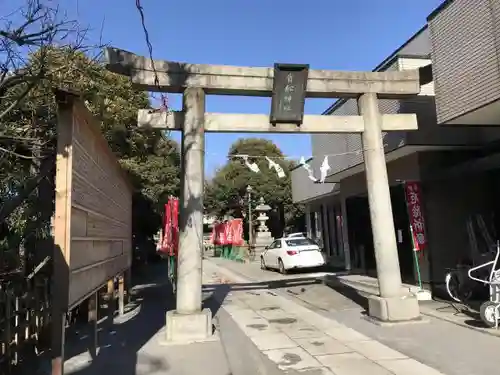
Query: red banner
217	235
175	225
237	232
170	235
228	233
414	204
166	232
220	234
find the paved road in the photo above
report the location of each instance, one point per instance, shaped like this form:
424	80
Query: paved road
451	349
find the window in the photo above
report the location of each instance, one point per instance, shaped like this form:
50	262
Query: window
300	242
275	245
312	222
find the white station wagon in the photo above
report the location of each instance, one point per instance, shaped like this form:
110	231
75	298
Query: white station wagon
292	253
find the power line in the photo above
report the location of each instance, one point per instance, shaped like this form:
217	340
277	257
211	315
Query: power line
164	98
293	157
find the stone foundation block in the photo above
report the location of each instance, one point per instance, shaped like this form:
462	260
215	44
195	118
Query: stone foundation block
395	309
188	327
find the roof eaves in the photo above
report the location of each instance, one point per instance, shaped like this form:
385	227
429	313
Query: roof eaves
439	9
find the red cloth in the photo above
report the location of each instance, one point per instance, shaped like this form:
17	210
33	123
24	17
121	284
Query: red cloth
237	232
228	233
175	225
219	234
170	235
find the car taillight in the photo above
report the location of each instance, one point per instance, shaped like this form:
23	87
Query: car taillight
292	252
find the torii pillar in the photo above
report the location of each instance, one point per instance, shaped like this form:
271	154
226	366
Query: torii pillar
390	305
189	322
288	85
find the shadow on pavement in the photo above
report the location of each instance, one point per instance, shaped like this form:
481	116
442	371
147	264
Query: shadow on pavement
469	312
217	293
121	338
474	320
351	293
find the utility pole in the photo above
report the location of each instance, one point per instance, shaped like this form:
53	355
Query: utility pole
250	223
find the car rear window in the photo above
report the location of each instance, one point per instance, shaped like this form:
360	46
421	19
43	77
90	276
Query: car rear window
299	242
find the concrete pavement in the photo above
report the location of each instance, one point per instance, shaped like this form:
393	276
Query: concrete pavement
447	347
297	338
270	324
134	344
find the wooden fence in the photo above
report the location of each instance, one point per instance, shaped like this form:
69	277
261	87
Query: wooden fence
25	271
24	318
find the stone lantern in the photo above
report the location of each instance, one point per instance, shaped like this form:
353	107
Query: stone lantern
263	236
262	208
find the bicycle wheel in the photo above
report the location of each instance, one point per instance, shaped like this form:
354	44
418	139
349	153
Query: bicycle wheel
453	286
458	290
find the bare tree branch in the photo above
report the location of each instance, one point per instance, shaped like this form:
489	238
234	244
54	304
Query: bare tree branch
17	100
27	36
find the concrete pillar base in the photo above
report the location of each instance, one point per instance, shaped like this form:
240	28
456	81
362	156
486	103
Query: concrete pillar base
395	309
185	328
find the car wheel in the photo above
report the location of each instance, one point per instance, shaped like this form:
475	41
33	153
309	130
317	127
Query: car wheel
281	267
262	263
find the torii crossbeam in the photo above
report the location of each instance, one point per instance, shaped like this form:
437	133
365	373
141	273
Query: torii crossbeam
289	86
175	77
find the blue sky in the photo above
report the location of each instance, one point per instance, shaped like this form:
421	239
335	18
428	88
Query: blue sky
327	34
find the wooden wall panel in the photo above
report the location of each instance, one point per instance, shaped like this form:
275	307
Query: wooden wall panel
92	278
94	230
88	252
78	222
99	226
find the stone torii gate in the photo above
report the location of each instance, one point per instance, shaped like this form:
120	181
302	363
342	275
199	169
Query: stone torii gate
288	85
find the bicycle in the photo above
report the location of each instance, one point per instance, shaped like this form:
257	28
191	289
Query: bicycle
490	310
460	287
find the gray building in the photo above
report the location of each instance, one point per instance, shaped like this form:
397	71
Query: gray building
447	161
465	37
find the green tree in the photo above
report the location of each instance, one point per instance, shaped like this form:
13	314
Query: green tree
226	193
28	134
